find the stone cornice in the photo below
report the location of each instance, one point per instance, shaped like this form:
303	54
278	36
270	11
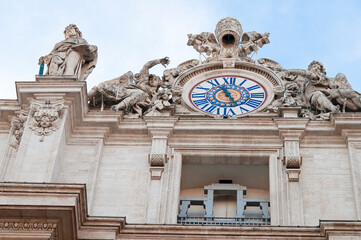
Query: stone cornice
97	124
246	66
323	231
37	197
64	203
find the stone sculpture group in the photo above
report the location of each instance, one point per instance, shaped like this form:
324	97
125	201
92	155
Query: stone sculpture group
141	94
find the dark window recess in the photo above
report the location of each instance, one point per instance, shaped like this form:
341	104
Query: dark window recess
225	181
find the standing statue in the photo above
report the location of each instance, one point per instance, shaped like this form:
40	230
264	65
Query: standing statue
72	56
129	93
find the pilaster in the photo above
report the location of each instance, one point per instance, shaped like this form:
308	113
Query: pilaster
292	161
353	138
159	129
42	142
291	131
52	106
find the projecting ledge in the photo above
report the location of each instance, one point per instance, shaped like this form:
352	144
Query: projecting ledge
326	228
52	209
57	78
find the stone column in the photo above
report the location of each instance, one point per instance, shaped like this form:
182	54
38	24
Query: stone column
276	190
172	191
159	130
353	138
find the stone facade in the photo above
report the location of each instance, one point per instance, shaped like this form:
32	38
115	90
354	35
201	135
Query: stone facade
137	155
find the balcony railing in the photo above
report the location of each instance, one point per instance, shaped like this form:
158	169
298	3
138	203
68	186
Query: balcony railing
224	221
259	216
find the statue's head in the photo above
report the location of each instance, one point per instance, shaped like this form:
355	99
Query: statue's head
72	31
341	81
292	88
154	80
316	66
167	75
137	76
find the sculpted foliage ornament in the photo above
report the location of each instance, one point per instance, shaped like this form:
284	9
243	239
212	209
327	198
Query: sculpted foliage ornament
17	125
46	118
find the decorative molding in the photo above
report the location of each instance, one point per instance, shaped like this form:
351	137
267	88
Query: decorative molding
156	172
249	67
17	125
157	160
20	203
292	158
289	112
229	62
46	117
293	161
350	229
293	174
21	225
159	130
55	78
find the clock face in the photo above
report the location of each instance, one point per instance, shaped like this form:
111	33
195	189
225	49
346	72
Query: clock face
228	96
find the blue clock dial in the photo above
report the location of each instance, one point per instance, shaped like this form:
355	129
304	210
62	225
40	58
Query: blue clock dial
228	96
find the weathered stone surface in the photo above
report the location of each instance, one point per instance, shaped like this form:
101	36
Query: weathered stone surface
154	148
72	56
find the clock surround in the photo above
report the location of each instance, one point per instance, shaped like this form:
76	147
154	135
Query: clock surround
269	84
228	95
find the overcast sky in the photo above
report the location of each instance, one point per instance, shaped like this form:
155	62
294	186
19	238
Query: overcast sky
129	33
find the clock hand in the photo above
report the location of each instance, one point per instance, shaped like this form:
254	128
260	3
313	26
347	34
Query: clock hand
228	94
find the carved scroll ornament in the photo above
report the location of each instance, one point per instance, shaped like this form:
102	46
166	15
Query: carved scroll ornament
17	125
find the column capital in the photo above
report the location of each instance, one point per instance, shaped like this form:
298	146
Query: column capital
160	127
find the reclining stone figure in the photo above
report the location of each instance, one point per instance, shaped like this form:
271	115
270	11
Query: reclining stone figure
129	93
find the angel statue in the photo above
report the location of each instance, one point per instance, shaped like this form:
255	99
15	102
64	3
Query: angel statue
129	93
